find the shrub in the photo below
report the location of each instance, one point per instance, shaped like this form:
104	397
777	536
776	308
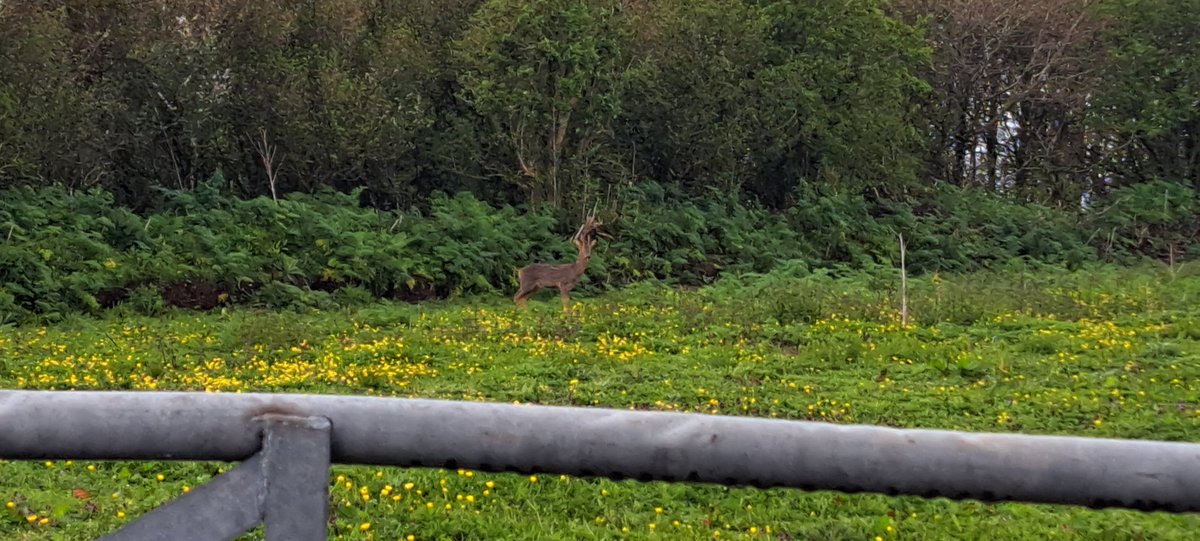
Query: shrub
63	253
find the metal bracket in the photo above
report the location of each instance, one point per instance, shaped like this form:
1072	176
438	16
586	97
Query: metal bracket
285	486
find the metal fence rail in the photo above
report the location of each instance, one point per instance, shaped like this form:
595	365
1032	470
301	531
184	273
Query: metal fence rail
610	443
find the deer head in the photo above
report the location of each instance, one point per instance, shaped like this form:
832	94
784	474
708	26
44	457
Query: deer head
584	245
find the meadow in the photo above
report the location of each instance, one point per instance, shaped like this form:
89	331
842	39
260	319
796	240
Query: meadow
1099	352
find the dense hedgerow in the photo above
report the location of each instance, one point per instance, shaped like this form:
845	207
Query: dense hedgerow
65	253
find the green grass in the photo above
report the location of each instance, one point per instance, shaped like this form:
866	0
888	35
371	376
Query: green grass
1112	353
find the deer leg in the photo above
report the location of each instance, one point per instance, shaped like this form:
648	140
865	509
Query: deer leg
565	294
523	295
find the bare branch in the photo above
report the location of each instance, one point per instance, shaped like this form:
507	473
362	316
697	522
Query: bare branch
267	153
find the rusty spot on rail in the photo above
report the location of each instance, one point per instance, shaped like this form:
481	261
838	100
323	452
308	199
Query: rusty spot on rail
275	410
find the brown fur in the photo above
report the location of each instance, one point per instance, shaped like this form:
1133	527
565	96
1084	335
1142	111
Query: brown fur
537	276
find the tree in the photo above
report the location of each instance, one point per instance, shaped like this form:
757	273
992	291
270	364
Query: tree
838	100
1010	82
546	79
695	115
49	123
1149	105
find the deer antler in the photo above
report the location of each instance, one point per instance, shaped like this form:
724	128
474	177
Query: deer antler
589	226
597	223
579	234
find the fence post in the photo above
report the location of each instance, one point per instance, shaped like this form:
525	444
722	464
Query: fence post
285	486
296	470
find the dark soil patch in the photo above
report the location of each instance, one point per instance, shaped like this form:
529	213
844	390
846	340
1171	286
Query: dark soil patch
421	291
195	295
112	296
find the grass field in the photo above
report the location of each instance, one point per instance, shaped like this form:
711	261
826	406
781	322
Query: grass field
1105	352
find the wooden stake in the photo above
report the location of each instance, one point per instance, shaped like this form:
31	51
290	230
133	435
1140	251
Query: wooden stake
903	285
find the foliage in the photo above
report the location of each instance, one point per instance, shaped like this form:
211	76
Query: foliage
692	118
962	230
763	96
547	78
1159	219
514	101
948	229
78	253
50	125
58	252
661	234
855	107
1011	84
840	92
1148	105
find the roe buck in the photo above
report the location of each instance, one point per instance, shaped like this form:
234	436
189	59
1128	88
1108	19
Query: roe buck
540	275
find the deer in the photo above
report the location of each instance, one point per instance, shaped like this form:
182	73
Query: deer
564	277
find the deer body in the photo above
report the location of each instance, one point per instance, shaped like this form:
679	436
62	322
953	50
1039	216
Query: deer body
538	276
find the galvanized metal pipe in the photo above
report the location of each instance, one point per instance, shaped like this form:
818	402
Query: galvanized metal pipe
613	443
285	486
